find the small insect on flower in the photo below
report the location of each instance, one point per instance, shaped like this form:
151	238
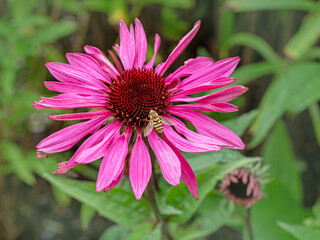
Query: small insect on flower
156	123
132	102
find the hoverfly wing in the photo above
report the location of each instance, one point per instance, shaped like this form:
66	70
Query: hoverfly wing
148	128
168	121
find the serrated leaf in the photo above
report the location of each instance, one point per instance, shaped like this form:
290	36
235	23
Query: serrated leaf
253	41
146	232
115	232
86	215
180	197
115	205
300	232
293	91
303	40
257	5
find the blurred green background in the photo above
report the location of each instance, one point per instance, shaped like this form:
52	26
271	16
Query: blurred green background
278	42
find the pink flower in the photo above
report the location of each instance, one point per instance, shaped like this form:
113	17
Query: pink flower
242	186
126	92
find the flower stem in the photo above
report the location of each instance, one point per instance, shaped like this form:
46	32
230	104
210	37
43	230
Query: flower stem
248	224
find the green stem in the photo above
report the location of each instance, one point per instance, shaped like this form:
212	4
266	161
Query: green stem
315	117
248	224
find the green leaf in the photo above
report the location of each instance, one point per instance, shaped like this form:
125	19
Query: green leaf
240	124
86	214
249	72
300	232
253	41
176	30
226	25
277	205
278	152
115	205
287	93
115	232
51	33
256	5
183	4
18	162
180	197
146	232
303	40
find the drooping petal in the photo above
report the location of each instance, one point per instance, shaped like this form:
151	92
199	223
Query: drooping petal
187	174
100	149
80	116
88	64
155	49
183	43
192	136
211	128
127	46
113	162
222	68
94	139
73	74
140	167
114	183
185	145
168	160
69	136
104	62
141	45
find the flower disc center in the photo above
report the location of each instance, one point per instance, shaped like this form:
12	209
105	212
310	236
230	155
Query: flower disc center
134	93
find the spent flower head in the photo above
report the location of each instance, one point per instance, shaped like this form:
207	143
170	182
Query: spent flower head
136	97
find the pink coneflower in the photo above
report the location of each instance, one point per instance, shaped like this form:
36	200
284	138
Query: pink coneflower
125	93
242	186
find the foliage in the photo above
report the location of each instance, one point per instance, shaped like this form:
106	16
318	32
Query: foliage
33	32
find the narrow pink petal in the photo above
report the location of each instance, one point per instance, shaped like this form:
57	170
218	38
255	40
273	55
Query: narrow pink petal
222	68
141	45
192	136
140	167
187	174
191	66
113	162
116	47
104	62
155	50
221	96
73	74
209	127
216	83
168	160
73	88
100	149
88	64
127	46
185	145
116	61
80	116
93	140
218	107
114	182
68	101
224	95
69	136
40	155
161	68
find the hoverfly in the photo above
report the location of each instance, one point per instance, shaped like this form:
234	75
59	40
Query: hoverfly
156	123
